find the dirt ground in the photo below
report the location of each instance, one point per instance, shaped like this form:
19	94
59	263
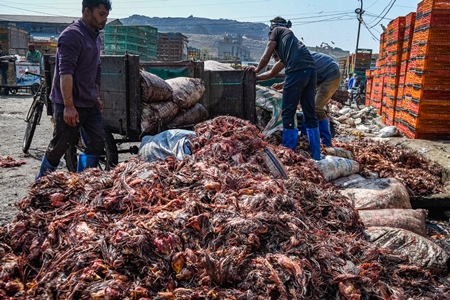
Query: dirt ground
16	181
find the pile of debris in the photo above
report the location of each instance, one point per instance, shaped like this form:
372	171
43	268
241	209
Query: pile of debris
216	225
9	162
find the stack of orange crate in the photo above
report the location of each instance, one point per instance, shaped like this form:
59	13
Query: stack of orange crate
395	36
427	95
407	42
378	78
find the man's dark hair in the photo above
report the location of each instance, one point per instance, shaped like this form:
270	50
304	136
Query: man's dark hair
96	3
279	21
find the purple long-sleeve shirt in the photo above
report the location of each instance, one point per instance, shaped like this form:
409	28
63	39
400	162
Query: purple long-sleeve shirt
79	55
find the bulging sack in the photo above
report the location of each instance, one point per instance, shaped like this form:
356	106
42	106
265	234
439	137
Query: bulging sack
408	219
377	194
335	151
420	250
333	167
156	116
186	91
153	88
190	116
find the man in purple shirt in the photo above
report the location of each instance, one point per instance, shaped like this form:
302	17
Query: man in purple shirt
76	89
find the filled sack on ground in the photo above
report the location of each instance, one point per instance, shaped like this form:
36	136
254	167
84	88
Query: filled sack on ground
186	91
153	88
190	116
420	250
156	116
333	167
378	193
409	219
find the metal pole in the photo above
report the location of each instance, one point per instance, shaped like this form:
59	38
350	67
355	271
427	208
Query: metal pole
359	12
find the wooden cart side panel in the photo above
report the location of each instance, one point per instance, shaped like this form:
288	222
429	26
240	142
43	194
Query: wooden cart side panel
134	94
114	94
229	93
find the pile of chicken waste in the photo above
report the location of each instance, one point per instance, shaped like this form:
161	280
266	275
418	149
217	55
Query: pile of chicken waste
216	225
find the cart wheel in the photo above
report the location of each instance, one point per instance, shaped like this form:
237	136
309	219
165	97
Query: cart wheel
32	120
14	91
108	159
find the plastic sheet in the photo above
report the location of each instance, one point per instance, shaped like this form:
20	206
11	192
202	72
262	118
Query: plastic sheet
174	142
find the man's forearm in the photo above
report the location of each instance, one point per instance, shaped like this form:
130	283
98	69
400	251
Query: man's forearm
66	82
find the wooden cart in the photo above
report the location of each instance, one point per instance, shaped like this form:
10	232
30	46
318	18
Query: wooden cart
226	93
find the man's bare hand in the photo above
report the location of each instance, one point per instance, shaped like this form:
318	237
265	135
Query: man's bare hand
277	86
250	69
71	116
101	104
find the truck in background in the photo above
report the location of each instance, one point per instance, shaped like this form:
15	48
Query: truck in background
14	40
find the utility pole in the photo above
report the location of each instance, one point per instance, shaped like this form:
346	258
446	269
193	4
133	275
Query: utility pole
359	12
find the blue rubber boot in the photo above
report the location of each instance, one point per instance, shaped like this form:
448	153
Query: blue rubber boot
325	132
86	161
46	167
290	137
314	142
303	129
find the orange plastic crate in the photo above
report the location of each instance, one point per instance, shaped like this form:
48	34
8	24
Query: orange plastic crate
430	48
391	79
406	103
425	34
419	92
435	79
389	101
432	62
436	18
400	124
437	108
396	24
403	67
429	5
412	120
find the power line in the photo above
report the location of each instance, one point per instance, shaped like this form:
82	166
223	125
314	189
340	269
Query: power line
368	29
381	19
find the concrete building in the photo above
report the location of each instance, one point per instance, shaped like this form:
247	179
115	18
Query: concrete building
232	47
46	28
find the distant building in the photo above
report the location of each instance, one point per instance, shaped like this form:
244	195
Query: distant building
43	28
232	47
193	53
172	46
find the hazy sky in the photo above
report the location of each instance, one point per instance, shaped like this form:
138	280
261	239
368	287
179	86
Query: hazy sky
316	21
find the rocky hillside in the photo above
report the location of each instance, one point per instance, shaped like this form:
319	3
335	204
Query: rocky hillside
194	25
207	33
211	42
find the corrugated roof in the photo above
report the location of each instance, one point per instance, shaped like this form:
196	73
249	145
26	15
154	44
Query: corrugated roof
41	19
37	19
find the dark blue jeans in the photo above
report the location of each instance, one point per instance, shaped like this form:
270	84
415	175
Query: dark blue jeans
90	127
300	87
